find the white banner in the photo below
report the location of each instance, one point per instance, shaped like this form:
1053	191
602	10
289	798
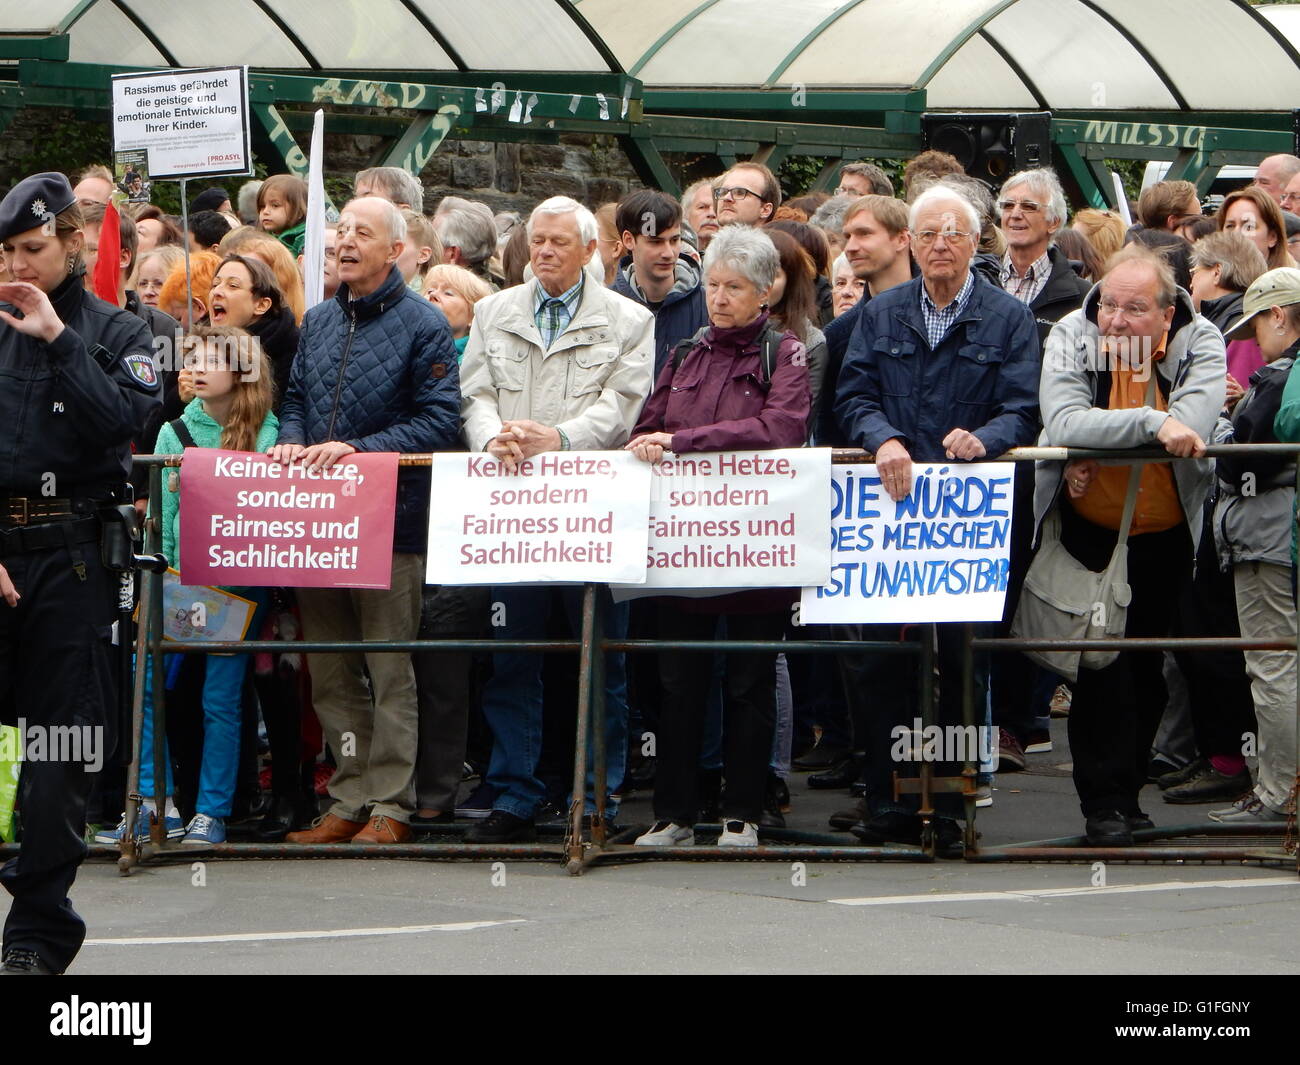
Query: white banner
941	554
192	123
567	516
739	519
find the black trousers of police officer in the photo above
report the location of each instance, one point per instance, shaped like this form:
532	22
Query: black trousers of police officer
55	670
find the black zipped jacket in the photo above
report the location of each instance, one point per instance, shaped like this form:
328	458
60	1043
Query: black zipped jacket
69	409
378	373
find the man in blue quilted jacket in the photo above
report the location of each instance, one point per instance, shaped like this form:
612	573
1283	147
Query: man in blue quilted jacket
375	371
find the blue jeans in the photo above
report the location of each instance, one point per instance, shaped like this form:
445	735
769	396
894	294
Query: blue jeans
512	700
223	682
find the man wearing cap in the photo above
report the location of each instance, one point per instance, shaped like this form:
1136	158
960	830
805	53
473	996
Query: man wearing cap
1254	519
79	382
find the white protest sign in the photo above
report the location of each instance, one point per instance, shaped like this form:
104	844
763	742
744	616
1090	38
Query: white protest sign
941	554
564	516
192	123
739	519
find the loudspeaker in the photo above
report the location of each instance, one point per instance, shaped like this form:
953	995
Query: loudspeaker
991	147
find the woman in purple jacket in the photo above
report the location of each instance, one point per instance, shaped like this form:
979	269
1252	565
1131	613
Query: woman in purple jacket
724	395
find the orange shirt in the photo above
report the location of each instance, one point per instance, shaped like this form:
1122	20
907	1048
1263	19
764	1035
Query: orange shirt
1158	507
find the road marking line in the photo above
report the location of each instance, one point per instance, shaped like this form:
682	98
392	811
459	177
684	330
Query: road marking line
333	933
1028	894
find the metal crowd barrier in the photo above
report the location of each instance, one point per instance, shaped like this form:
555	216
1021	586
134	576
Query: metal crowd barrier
583	846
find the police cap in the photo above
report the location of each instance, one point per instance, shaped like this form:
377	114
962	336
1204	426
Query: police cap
33	202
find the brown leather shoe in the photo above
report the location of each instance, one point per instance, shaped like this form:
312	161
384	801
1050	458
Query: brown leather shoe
329	829
381	829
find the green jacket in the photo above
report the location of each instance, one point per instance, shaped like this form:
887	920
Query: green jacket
294	237
1286	427
206	433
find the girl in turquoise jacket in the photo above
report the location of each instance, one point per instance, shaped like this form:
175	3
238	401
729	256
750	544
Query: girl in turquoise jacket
233	392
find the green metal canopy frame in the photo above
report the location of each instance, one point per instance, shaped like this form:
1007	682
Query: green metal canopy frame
766	122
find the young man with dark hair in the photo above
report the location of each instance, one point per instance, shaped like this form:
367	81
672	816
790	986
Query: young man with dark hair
207	229
654	274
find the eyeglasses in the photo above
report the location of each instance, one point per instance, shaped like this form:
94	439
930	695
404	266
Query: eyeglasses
1288	198
1131	310
1026	206
926	237
738	193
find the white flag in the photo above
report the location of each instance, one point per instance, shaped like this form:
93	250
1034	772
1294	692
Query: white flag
313	251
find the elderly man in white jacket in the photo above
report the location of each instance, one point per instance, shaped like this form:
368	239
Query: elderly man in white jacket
559	363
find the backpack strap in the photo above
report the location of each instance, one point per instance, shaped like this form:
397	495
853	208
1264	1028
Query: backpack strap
769	345
182	432
684	346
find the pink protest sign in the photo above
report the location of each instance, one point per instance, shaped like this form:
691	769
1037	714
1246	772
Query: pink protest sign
246	520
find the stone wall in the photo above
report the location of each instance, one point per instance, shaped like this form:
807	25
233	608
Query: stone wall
507	177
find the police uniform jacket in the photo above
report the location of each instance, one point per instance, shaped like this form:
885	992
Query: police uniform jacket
70	408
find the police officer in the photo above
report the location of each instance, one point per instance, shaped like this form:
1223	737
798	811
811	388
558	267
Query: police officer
77	382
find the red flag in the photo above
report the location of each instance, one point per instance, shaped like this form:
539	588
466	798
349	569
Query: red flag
107	264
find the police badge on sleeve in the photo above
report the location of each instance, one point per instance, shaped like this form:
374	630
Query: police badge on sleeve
141	368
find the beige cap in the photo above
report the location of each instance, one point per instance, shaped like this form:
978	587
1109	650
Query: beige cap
1274	288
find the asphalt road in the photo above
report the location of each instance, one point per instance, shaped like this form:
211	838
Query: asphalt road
411	916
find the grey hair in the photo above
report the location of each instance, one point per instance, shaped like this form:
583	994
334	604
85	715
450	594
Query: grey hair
688	195
972	189
393	219
246	199
748	251
949	195
880	183
587	229
467	225
396	184
830	215
841	260
1044	181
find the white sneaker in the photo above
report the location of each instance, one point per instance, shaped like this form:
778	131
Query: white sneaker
667	834
984	796
1250	809
738	834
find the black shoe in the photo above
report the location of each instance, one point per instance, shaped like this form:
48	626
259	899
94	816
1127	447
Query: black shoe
1108	828
1160	767
21	962
892	827
843	820
841	775
1139	820
949	841
771	819
823	756
442	817
278	821
502	827
1210	786
778	794
552	813
252	808
1190	771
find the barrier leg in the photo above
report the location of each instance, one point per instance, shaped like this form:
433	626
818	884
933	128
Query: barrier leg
153	536
573	846
968	770
925	663
600	756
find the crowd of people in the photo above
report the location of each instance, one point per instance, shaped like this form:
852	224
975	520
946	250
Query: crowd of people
942	321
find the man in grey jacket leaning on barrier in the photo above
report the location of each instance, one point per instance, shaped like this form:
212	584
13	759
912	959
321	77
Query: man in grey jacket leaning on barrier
1092	395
